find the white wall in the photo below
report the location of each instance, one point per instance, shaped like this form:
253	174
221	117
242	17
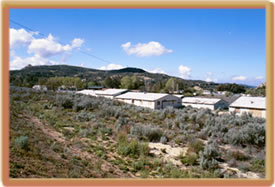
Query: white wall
211	107
154	104
242	110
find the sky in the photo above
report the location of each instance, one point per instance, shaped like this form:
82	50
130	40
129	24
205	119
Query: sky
219	45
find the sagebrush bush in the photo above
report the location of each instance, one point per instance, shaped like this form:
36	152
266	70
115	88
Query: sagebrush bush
189	159
147	131
120	122
133	148
22	142
251	133
195	145
65	101
85	116
208	157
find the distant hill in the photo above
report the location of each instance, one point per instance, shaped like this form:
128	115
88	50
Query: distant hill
35	72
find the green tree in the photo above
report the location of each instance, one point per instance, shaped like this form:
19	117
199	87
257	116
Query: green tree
170	85
136	82
53	83
126	82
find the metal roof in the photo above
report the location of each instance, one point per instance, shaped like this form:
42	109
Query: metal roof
142	96
87	92
200	100
110	92
249	102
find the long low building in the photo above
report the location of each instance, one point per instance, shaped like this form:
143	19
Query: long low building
200	102
254	105
108	93
150	100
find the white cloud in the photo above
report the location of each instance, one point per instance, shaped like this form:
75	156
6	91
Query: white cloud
145	49
185	72
47	47
156	70
239	78
77	42
41	48
259	78
111	67
20	37
19	63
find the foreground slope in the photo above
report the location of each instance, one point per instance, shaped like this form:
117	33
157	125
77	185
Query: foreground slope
67	135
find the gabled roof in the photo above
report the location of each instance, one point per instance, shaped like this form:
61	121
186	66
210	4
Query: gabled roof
142	96
249	102
200	100
110	92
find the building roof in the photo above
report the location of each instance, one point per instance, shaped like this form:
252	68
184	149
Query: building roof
86	92
95	87
200	100
249	102
142	96
178	95
110	92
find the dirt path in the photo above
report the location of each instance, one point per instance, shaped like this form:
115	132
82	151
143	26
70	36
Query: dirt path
52	133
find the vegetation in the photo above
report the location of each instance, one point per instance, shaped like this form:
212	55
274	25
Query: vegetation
67	135
234	88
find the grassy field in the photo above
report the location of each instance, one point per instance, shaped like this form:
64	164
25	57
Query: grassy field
56	135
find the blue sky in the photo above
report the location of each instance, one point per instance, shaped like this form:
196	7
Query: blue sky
220	45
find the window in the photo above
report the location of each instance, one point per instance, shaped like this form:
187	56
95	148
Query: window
132	100
158	103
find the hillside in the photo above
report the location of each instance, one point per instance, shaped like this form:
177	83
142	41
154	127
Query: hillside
55	135
34	73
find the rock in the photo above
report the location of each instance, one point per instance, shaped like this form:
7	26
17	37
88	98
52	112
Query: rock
71	129
169	154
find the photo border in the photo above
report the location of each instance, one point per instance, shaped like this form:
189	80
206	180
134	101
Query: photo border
108	4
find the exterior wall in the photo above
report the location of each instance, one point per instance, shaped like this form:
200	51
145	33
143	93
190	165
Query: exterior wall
106	96
147	104
211	107
159	104
254	112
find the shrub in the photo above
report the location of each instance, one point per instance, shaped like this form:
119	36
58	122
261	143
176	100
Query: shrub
120	123
133	148
147	131
238	155
85	102
196	145
190	159
252	133
208	157
65	101
22	142
84	116
163	140
257	165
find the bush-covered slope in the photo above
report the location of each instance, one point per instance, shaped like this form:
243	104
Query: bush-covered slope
68	135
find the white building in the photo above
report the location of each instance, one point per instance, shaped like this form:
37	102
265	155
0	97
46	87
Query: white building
179	95
199	102
150	100
108	93
253	105
40	87
87	92
206	92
